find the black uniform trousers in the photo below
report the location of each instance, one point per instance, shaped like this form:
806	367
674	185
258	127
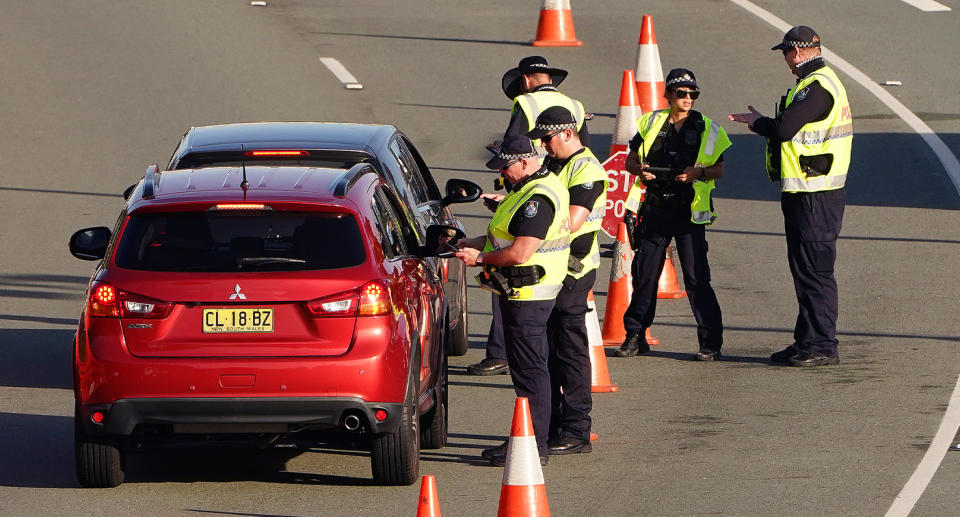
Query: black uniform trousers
648	262
495	346
569	361
812	222
525	335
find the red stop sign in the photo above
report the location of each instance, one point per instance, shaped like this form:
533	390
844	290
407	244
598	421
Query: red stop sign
619	182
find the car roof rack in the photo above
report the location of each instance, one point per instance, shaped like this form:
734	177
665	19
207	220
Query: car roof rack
151	179
350	177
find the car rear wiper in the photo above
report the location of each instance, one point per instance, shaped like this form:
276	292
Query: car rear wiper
259	261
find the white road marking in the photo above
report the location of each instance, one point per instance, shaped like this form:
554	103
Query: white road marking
928	466
927	5
947	159
341	72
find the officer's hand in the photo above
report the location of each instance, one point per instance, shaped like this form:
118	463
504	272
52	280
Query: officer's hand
492	201
689	175
468	256
632	164
746	118
630	220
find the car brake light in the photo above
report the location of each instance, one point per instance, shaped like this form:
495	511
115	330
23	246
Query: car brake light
275	154
375	299
240	206
340	304
107	301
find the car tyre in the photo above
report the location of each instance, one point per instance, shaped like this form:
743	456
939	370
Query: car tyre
434	425
98	459
459	342
395	457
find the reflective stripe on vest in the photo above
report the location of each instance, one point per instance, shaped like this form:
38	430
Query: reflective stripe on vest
831	136
585	168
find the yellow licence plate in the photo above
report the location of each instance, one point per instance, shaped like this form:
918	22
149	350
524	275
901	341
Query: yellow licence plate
237	320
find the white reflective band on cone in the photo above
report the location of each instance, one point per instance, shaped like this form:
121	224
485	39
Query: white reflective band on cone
555	5
523	462
626	124
648	64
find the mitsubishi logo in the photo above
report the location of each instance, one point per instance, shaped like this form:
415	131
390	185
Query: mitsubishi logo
237	294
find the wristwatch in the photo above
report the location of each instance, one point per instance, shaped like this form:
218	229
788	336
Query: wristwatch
703	174
480	258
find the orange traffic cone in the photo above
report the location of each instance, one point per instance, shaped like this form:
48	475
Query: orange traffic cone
429	505
599	374
555	27
618	292
668	286
627	114
522	493
649	72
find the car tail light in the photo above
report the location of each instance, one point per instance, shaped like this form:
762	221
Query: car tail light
276	154
340	304
375	299
241	206
107	301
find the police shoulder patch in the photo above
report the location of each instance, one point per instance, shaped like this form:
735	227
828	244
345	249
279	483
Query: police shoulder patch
530	210
802	94
586	186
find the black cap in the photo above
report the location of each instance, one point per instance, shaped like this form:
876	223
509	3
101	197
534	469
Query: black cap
681	77
799	36
529	65
512	148
552	119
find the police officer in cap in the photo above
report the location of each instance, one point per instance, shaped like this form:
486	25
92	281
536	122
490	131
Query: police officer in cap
532	86
524	258
569	362
809	141
688	148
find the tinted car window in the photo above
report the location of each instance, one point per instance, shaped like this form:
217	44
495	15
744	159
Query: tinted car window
411	174
230	242
389	226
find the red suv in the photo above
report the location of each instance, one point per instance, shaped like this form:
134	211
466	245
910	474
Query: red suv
261	301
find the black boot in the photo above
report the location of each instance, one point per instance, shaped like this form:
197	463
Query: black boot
783	356
636	343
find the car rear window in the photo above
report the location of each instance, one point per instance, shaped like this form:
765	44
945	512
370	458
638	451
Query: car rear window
240	241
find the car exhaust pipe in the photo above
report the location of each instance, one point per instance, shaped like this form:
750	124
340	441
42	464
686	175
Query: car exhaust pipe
351	423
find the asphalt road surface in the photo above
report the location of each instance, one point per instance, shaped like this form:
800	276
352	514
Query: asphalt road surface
91	92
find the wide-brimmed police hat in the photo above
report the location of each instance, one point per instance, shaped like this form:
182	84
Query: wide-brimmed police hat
800	36
680	77
529	65
513	147
554	118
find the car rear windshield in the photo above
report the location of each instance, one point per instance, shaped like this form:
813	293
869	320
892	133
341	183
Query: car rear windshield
240	241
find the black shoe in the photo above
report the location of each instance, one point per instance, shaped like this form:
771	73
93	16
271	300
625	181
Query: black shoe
499	450
636	343
489	366
500	460
783	356
705	354
815	359
562	446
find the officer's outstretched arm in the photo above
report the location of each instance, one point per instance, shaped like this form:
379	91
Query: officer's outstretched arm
516	253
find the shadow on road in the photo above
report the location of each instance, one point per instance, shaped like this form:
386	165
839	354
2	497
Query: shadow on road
36	358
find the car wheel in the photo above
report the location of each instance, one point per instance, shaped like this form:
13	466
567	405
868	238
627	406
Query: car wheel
395	457
98	459
459	342
434	425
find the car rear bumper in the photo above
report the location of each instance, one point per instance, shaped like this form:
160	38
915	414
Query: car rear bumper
230	414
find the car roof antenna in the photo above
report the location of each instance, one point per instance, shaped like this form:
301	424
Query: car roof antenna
244	185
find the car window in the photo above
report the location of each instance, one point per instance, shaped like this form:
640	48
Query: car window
425	176
241	241
411	172
389	226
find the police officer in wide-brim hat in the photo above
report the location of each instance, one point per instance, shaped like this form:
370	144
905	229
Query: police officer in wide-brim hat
512	82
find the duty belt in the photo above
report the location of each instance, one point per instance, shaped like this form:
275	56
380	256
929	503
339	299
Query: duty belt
504	279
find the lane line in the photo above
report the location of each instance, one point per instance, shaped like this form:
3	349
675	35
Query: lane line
947	159
927	5
341	73
921	477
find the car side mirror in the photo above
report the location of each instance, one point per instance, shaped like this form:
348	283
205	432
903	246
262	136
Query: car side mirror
129	190
441	240
461	191
90	243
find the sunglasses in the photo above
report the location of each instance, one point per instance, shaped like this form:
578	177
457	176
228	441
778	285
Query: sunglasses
546	138
682	94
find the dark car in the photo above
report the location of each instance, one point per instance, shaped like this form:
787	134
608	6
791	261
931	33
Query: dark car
260	302
340	145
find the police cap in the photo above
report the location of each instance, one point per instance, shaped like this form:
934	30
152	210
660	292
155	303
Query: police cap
799	36
554	118
681	77
529	65
513	147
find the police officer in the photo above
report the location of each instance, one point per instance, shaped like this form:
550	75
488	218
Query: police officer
569	360
677	206
524	259
532	87
809	140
